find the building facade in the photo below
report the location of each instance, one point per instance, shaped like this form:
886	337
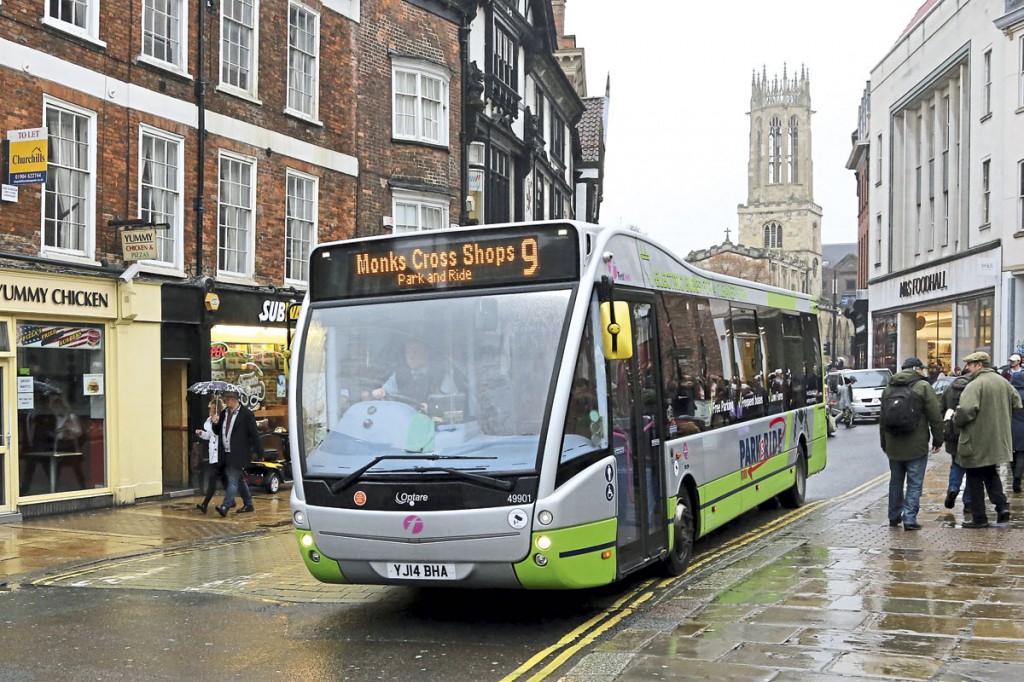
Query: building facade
947	159
222	126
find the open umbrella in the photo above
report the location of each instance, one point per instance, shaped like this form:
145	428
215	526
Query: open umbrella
215	388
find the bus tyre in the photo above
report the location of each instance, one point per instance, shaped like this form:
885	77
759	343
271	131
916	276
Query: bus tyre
794	497
683	537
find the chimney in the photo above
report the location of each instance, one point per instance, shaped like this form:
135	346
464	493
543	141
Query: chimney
558	9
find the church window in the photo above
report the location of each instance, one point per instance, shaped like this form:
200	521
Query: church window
772	235
775	150
793	151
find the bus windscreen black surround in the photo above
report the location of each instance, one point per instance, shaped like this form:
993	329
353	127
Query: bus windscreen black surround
442	260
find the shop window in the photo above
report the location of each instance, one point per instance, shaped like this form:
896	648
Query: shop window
61	400
884	351
256	360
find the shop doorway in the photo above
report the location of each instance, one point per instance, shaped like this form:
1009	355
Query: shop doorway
174	419
934	340
6	471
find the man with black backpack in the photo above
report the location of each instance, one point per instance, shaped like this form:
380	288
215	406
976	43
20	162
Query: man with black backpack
985	439
910	413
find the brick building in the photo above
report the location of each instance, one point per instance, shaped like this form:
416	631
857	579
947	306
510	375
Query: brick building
231	117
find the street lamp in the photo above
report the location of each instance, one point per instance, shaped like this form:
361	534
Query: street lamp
835	311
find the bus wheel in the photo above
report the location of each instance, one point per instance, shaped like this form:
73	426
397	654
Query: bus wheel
683	537
794	497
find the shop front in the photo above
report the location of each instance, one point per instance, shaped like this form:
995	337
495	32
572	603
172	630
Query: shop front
65	342
249	347
938	313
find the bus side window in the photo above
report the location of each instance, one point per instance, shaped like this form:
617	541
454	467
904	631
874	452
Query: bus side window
689	358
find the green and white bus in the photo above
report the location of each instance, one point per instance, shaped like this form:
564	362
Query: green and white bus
587	404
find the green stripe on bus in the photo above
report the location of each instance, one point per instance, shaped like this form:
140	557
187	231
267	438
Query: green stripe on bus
784	301
573	559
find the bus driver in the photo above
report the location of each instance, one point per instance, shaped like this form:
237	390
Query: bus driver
418	379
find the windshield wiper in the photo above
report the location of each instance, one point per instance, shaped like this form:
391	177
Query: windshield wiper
348	480
479	479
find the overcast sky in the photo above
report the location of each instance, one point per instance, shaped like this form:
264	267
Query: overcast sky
676	164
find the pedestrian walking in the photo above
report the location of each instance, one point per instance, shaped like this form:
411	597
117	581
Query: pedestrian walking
910	415
213	468
986	441
239	439
1017	431
951	434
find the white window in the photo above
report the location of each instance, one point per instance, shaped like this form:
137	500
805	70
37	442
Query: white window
238	45
69	209
236	215
420	104
1020	72
878	239
986	100
415	211
303	61
161	179
986	191
878	161
1020	195
164	38
299	226
78	17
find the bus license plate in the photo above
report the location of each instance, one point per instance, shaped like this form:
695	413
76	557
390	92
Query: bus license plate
421	571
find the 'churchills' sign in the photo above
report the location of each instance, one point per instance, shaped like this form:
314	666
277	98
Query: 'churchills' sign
923	285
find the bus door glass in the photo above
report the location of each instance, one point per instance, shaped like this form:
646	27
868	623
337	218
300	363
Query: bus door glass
636	441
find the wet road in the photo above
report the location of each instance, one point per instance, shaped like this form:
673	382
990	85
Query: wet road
825	592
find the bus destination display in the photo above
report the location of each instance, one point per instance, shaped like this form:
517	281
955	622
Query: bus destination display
440	260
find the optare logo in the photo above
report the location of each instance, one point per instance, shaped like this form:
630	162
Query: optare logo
413	525
410	498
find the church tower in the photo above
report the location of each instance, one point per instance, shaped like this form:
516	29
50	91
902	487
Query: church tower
780	214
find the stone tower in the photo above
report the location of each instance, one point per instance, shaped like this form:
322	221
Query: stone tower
780	214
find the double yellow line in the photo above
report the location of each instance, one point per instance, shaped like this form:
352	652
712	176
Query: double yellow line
574	641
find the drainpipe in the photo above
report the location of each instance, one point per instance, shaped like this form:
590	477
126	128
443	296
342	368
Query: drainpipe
463	137
204	5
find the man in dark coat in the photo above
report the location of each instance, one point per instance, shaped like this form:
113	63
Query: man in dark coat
239	439
908	452
1017	427
985	442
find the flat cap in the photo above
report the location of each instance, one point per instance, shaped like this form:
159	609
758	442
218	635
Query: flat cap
979	356
912	363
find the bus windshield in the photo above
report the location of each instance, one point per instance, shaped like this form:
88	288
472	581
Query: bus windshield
464	379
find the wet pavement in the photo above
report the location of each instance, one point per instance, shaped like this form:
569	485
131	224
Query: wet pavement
837	596
832	594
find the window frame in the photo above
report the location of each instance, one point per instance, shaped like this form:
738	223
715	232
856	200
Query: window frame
986	192
421	200
986	87
315	223
179	66
314	115
421	70
177	228
772	235
90	32
250	256
252	92
88	251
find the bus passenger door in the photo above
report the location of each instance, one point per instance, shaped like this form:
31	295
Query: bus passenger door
635	388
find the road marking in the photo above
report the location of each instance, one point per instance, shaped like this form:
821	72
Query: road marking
575	640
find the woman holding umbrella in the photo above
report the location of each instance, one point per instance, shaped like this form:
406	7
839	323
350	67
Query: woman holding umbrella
214	469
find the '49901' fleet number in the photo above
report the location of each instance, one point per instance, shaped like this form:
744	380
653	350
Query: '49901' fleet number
520	498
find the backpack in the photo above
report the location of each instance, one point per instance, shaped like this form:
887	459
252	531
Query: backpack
951	399
901	409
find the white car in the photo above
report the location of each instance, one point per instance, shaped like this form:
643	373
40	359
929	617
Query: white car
867	390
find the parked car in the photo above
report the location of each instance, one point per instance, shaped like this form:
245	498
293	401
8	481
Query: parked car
867	391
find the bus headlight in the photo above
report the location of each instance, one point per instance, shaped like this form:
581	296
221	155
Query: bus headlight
545	518
306	540
543	543
299	518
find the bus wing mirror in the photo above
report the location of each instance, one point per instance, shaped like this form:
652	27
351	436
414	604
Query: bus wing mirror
616	330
